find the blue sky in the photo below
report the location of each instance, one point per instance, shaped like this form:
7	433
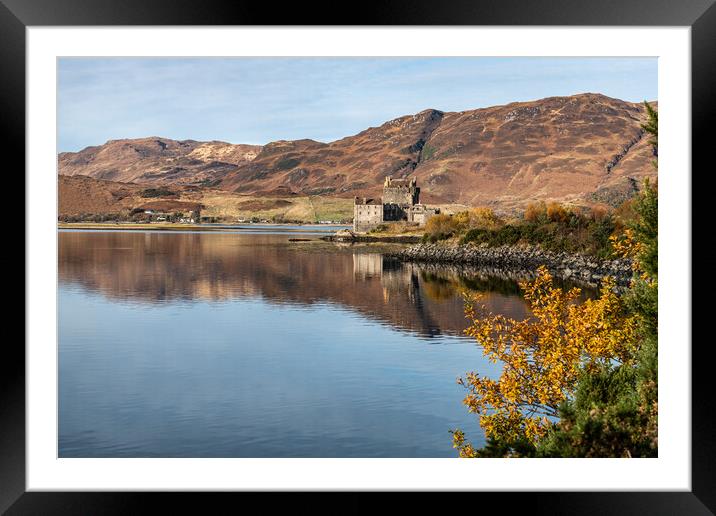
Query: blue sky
258	100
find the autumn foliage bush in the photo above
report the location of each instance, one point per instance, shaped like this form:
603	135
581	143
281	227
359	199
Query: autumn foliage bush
535	212
614	411
556	212
440	226
543	355
443	226
555	228
551	225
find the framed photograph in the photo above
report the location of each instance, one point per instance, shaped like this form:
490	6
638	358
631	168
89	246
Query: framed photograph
419	252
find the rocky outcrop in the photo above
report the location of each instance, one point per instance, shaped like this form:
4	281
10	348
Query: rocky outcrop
520	261
344	235
623	152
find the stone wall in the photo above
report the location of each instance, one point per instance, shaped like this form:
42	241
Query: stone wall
394	212
367	216
400	195
420	214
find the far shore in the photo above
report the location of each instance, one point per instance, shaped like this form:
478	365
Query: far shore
169	226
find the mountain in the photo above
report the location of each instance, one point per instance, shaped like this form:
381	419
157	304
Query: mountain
585	147
157	161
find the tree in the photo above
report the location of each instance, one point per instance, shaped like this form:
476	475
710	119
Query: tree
651	126
614	412
543	357
615	409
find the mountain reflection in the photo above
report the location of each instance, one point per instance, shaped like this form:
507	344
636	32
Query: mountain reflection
147	267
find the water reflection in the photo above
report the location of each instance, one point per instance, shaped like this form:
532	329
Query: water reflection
161	267
246	345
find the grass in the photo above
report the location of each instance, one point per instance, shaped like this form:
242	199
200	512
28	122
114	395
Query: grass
227	206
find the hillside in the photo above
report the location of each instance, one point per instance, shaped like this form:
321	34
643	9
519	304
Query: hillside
586	147
81	196
157	161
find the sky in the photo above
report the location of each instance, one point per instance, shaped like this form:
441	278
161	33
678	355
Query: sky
259	100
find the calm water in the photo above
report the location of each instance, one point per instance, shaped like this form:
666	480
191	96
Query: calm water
245	345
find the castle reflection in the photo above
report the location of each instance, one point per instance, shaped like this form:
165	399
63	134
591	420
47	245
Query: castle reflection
145	267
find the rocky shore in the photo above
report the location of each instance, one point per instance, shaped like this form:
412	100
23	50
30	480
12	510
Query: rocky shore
521	261
346	235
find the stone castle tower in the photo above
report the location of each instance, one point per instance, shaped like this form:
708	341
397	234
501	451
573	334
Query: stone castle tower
400	202
403	192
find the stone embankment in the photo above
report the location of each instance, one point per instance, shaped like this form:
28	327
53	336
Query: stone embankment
346	235
521	260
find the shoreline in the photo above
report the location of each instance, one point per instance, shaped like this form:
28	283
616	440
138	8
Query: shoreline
394	239
516	262
130	226
520	260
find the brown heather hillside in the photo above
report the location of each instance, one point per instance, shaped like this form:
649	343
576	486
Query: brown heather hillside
157	161
81	196
86	195
583	148
347	167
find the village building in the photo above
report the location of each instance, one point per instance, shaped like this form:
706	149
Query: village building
400	202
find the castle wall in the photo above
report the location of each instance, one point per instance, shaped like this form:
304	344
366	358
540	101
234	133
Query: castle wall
393	212
367	216
419	214
420	218
399	195
400	191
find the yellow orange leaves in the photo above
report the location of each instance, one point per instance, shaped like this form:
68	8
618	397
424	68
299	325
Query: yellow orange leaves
542	355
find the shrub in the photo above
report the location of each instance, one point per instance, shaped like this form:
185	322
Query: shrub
477	236
614	412
427	152
435	237
551	226
441	224
535	212
157	192
556	212
484	218
598	212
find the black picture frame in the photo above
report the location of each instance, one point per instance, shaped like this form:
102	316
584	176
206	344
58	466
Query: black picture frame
700	15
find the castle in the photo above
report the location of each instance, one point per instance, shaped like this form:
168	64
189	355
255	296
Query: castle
401	201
